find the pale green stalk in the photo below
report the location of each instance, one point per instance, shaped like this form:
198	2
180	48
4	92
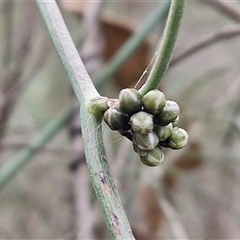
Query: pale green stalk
166	47
9	170
95	153
131	45
92	134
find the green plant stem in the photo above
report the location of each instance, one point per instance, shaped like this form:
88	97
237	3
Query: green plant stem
132	44
77	74
166	47
92	134
14	165
9	170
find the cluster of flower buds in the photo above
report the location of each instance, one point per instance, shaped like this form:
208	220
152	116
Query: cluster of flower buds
149	121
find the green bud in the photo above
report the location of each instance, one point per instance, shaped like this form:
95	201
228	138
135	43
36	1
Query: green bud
115	119
154	101
169	113
141	122
130	100
178	139
146	141
163	132
97	106
153	158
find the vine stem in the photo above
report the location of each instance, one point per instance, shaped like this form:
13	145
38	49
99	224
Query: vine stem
84	89
8	170
131	45
166	47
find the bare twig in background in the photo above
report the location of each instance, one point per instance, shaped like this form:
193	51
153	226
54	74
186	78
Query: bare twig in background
19	81
19	145
85	216
92	45
173	219
15	78
7	49
99	170
91	48
225	33
122	154
12	74
229	8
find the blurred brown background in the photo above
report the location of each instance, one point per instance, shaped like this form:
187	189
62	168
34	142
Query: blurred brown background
194	195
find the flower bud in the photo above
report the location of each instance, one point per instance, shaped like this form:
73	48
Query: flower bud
163	132
178	139
146	141
130	100
141	122
154	101
115	119
169	113
97	106
153	158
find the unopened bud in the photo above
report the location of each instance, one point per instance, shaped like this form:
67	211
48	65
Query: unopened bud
115	119
154	101
146	141
154	157
163	132
169	113
141	122
178	139
130	100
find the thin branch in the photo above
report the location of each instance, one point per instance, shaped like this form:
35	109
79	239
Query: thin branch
206	41
92	134
132	44
77	74
8	30
166	47
92	41
14	73
231	9
19	145
14	165
85	218
11	94
200	189
171	214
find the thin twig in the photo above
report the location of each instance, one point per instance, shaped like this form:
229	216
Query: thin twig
10	96
171	214
166	47
92	42
206	41
84	89
8	29
19	145
200	189
85	218
12	166
132	44
232	9
90	51
13	74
